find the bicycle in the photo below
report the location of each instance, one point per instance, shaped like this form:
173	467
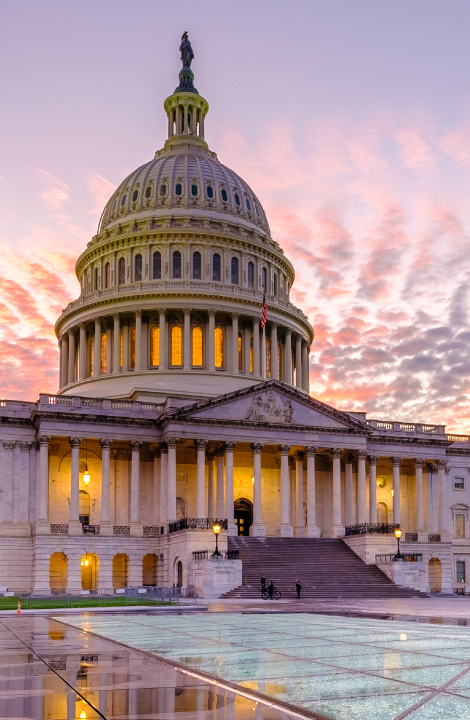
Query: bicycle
276	595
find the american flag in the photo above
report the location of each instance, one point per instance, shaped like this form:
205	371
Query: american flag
263	311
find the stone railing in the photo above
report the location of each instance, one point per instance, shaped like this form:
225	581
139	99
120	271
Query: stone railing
402	557
411	537
121	530
116	406
393	426
366	528
59	529
196	524
434	537
206	554
91	529
153	530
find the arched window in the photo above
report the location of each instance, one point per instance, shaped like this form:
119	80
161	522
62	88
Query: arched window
176	264
133	348
138	268
96	279
91	350
122	271
157	265
210	192
219	347
234	271
275	284
178	189
224	195
107	275
250	274
120	348
240	352
155	346
264	276
279	361
176	351
197	265
216	267
197	346
268	357
104	340
382	513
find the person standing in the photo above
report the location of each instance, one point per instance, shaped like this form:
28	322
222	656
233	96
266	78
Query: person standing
298	587
271	589
263	584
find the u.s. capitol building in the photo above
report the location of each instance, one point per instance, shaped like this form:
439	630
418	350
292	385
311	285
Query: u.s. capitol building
176	406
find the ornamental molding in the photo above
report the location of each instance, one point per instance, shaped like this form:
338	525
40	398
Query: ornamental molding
270	411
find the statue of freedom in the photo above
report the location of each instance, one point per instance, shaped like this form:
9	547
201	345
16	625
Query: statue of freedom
187	55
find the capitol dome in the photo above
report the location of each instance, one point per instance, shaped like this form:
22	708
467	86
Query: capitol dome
172	284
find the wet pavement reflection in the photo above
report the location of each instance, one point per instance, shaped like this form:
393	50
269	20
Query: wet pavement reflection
48	670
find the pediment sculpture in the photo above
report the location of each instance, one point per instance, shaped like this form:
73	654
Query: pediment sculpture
265	408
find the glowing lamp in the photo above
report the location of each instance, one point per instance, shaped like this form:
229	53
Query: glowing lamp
398	534
86	477
217	527
83	714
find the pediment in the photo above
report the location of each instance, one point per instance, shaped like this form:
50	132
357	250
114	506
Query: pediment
271	403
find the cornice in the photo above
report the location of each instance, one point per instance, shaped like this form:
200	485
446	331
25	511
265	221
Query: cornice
65	418
394	440
165	420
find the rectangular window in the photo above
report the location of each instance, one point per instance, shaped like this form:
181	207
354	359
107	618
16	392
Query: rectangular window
459	483
459	525
460	571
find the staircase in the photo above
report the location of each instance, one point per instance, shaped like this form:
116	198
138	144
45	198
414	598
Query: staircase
326	568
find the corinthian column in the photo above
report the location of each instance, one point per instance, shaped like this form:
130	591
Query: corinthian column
71	366
106	527
229	497
116	344
312	528
8	447
373	489
97	348
82	353
299	493
172	443
285	528
75	526
42	493
220	483
138	340
396	490
419	495
210	343
257	529
337	529
201	478
136	525
235	369
274	354
361	487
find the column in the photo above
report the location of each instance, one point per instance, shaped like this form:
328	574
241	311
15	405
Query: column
82	353
337	529
396	490
116	344
210	342
25	448
235	369
163	346
349	498
201	479
138	340
106	527
373	489
305	368
64	357
125	346
256	354
71	371
285	528
187	339
109	348
274	356
431	503
361	487
136	525
42	488
172	443
97	349
312	528
257	529
229	496
299	493
247	347
298	361
164	483
157	486
220	484
288	363
8	447
442	496
419	494
75	526
211	494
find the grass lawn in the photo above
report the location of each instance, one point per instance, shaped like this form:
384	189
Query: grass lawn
11	603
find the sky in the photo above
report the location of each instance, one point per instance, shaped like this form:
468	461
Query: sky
350	121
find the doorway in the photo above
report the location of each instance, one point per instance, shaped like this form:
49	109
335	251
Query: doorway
435	575
243	512
58	572
89	565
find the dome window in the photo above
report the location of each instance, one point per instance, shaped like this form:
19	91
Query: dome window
114	205
250	274
224	195
256	209
135	195
148	192
216	267
177	264
248	205
197	265
138	268
210	192
122	271
157	265
234	271
163	190
265	277
178	189
123	201
237	199
107	275
194	190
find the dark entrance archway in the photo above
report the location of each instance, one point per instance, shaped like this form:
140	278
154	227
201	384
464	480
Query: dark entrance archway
243	515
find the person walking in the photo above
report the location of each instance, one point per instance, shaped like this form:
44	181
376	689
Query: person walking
298	587
271	589
263	584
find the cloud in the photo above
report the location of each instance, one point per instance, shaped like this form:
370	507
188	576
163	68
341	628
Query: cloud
55	192
100	190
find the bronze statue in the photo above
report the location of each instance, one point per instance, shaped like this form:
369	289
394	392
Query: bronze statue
187	55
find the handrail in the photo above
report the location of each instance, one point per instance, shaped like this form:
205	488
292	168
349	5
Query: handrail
196	524
366	528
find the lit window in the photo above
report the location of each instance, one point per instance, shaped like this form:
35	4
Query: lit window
234	271
224	196
157	265
459	483
210	192
237	199
178	189
163	190
250	274
197	346
219	347
459	525
148	191
155	346
460	571
133	348
120	348
240	352
122	271
268	357
135	195
103	353
197	265
138	268
176	354
216	267
107	275
91	350
177	264
251	353
194	190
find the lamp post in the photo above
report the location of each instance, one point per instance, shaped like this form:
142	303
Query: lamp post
398	536
216	529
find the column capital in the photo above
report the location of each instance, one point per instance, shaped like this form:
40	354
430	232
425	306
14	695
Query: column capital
284	449
43	440
164	448
257	448
116	316
256	320
162	311
447	469
442	464
299	455
311	451
431	467
396	461
75	441
235	316
135	445
9	445
337	453
187	311
106	443
419	462
220	450
362	454
25	446
350	458
373	459
138	313
201	444
211	313
172	443
230	446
